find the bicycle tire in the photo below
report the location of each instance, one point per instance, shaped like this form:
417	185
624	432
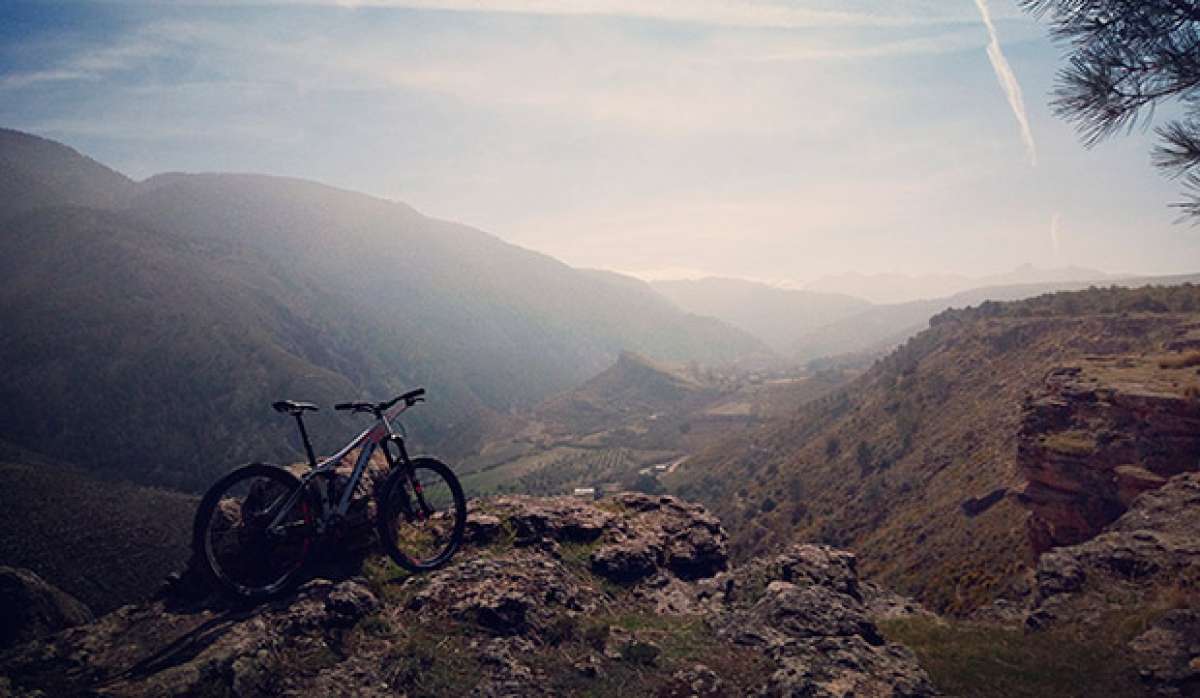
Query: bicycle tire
219	573
397	500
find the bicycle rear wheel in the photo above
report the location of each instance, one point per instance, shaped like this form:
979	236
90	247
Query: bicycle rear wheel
421	527
247	543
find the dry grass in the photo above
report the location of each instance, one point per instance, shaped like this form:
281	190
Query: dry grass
1076	443
977	661
926	428
1184	360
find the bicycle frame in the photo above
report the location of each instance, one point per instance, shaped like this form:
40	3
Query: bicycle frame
370	439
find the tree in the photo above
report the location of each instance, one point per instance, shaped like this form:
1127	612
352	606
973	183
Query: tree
1126	59
647	484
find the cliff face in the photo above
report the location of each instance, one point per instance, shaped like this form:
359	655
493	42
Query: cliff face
1102	431
631	595
1139	576
913	464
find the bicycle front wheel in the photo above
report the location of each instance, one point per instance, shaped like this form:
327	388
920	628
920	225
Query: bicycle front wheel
253	531
421	521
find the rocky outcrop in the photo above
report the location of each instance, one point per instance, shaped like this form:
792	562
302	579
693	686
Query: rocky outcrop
805	610
1147	562
1168	653
632	594
1099	434
30	608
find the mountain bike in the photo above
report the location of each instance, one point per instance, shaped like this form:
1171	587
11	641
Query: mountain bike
256	527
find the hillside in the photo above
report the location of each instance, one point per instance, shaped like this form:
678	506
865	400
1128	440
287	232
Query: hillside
881	328
181	306
106	543
36	172
780	317
912	464
633	386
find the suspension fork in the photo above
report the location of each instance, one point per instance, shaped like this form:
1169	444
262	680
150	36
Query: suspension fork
423	510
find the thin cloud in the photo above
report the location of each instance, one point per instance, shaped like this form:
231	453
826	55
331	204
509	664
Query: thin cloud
93	63
727	13
1008	81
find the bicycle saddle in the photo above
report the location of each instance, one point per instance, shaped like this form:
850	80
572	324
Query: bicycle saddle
293	407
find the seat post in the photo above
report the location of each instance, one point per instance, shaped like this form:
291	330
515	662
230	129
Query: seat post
308	449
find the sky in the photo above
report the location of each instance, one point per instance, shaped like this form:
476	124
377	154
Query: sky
781	141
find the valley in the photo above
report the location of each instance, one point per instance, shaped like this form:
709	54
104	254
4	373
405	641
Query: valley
972	451
635	423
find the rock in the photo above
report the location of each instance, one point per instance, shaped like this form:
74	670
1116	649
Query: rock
651	534
1168	654
974	506
522	593
563	519
1097	436
884	604
626	561
350	601
641	652
481	528
698	681
1137	559
589	667
804	610
1005	613
528	608
30	608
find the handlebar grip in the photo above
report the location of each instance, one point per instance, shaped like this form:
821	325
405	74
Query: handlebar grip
344	406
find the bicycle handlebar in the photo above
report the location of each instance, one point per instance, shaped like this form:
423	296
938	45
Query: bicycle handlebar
411	397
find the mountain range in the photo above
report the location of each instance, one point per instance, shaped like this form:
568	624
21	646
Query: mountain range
802	325
780	317
149	325
901	288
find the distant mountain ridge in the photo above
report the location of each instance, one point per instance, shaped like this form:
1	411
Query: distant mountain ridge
881	328
779	317
148	325
902	288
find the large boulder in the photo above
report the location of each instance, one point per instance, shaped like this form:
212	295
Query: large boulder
30	608
805	610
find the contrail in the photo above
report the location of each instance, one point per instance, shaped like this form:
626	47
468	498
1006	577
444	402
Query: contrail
1008	81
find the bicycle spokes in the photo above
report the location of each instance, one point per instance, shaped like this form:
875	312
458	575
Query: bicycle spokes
422	511
252	541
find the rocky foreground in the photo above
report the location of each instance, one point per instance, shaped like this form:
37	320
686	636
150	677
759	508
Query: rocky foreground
631	595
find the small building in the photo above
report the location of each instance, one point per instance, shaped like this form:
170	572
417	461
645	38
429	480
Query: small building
585	493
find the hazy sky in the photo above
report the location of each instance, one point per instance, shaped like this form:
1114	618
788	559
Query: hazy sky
772	140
